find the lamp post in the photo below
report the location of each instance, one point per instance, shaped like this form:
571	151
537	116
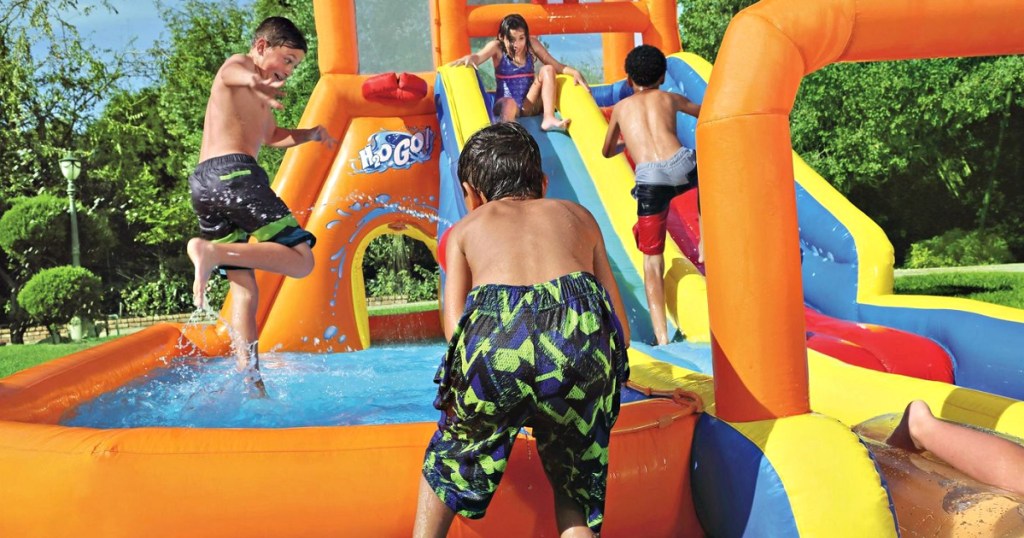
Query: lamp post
71	166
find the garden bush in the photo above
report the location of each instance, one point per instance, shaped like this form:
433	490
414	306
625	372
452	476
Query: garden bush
166	293
35	233
957	248
420	285
54	296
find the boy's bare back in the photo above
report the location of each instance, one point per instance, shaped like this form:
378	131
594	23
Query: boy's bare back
522	242
647	123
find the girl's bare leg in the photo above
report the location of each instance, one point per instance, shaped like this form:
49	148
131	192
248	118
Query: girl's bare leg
983	456
547	86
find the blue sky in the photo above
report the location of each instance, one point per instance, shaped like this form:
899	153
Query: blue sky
137	19
140	20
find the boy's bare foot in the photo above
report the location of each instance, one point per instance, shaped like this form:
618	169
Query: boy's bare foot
253	380
199	251
555	124
902	437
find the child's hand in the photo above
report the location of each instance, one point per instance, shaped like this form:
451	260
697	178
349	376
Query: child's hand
268	89
578	79
465	60
320	134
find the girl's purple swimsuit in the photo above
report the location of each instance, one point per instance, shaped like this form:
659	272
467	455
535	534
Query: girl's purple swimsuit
513	80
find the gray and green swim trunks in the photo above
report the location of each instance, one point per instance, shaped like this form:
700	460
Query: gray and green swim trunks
550	356
232	197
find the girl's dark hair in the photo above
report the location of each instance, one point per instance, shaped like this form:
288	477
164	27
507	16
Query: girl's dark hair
513	21
280	32
645	65
502	161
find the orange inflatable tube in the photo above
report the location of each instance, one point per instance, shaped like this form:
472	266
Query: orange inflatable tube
317	481
746	168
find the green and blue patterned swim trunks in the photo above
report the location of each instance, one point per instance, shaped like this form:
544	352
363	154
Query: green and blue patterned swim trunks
550	356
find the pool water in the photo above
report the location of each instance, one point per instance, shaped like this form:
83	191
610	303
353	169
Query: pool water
380	385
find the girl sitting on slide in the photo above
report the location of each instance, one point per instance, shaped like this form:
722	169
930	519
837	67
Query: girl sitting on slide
514	52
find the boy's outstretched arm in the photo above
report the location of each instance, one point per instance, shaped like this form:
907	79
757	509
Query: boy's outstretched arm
236	73
458	281
686	106
286	138
612	146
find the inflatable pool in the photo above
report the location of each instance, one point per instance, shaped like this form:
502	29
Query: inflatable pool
777	428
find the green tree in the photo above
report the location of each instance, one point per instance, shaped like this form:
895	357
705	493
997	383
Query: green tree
53	84
55	295
34	234
947	134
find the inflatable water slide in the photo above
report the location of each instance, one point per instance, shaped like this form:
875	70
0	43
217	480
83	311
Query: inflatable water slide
757	462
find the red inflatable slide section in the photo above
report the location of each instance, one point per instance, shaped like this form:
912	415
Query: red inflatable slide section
861	344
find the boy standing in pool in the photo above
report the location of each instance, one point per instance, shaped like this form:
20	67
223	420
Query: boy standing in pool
664	167
231	193
534	339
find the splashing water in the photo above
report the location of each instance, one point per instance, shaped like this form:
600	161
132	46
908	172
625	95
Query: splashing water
381	385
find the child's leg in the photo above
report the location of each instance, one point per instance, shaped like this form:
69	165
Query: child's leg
245	299
433	517
983	456
654	286
507	109
544	87
569	517
295	262
700	241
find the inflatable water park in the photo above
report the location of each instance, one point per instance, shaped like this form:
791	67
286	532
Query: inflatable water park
769	419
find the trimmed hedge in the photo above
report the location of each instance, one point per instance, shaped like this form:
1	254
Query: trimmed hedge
55	295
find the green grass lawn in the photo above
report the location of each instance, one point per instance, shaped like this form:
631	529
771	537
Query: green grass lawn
1005	289
407	308
14	358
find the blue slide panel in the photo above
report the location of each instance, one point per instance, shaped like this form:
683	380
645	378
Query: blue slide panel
682	79
829	257
987	352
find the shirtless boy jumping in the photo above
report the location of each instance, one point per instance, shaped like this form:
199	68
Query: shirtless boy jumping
231	193
664	167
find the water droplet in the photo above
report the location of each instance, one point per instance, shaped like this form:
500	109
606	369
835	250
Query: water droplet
330	332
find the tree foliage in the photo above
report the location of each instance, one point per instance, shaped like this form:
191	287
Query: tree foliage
947	134
35	234
57	294
53	85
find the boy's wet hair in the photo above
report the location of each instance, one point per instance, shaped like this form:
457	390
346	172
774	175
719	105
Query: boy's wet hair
502	161
513	21
280	32
645	65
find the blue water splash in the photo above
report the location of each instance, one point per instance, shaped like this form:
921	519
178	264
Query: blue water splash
381	385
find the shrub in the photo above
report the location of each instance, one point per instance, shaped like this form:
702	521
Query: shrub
54	296
168	293
957	248
420	285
